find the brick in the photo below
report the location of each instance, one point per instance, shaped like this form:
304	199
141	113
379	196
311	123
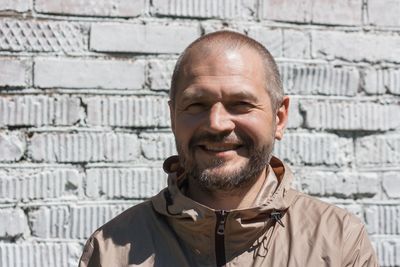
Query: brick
15	72
13	145
391	184
350	115
223	9
126	183
314	149
157	146
322	79
339	12
272	39
299	148
39	254
13	223
296	44
342	12
160	74
355	46
387	249
84	147
294	11
16	5
383	219
295	118
42	36
133	38
380	81
391	9
39	110
72	222
30	185
339	184
89	73
379	150
128	111
104	8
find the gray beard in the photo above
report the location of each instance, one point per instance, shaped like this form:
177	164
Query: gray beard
236	181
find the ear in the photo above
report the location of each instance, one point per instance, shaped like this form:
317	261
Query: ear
172	114
282	118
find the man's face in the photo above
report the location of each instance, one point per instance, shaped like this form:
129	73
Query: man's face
222	118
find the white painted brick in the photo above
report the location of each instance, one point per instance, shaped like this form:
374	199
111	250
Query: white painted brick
89	73
339	184
128	111
296	148
379	150
380	81
39	110
350	115
321	79
338	12
83	147
296	44
387	249
18	185
131	183
355	46
16	5
42	36
72	222
13	145
286	10
15	72
225	9
391	184
160	74
208	26
13	223
133	38
383	219
315	149
272	39
106	8
295	118
342	12
390	9
39	254
157	146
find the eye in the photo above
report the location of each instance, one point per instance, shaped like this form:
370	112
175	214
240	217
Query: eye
195	107
241	106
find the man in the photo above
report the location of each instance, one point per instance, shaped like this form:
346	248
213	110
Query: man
228	201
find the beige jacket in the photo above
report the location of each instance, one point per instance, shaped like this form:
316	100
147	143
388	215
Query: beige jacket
284	228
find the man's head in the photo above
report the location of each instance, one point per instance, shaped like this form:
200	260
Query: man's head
227	107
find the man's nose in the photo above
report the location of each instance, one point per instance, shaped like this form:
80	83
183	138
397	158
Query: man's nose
220	120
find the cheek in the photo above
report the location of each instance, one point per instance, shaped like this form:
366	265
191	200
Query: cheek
258	127
185	128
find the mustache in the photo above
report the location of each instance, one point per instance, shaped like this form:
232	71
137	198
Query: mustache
220	138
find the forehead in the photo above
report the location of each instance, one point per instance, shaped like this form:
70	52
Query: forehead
231	66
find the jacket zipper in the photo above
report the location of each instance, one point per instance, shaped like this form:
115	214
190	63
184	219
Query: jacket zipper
220	237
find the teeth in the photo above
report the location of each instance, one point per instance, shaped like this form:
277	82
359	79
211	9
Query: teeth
220	148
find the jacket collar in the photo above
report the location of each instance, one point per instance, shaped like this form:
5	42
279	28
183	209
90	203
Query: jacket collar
195	223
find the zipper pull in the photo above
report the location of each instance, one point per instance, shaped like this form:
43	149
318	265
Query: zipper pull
277	215
221	225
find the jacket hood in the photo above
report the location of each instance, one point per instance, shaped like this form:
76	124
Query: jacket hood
195	223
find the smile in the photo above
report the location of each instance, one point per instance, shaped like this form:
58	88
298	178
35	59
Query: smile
220	147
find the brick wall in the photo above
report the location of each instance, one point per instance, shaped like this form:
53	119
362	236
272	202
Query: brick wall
84	123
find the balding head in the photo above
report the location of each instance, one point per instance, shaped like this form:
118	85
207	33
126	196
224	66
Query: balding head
216	43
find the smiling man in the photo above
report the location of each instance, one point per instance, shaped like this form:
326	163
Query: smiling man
229	201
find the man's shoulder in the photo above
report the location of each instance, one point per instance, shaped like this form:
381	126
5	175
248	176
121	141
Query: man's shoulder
321	212
129	222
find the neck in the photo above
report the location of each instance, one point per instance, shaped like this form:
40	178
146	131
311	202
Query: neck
226	200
